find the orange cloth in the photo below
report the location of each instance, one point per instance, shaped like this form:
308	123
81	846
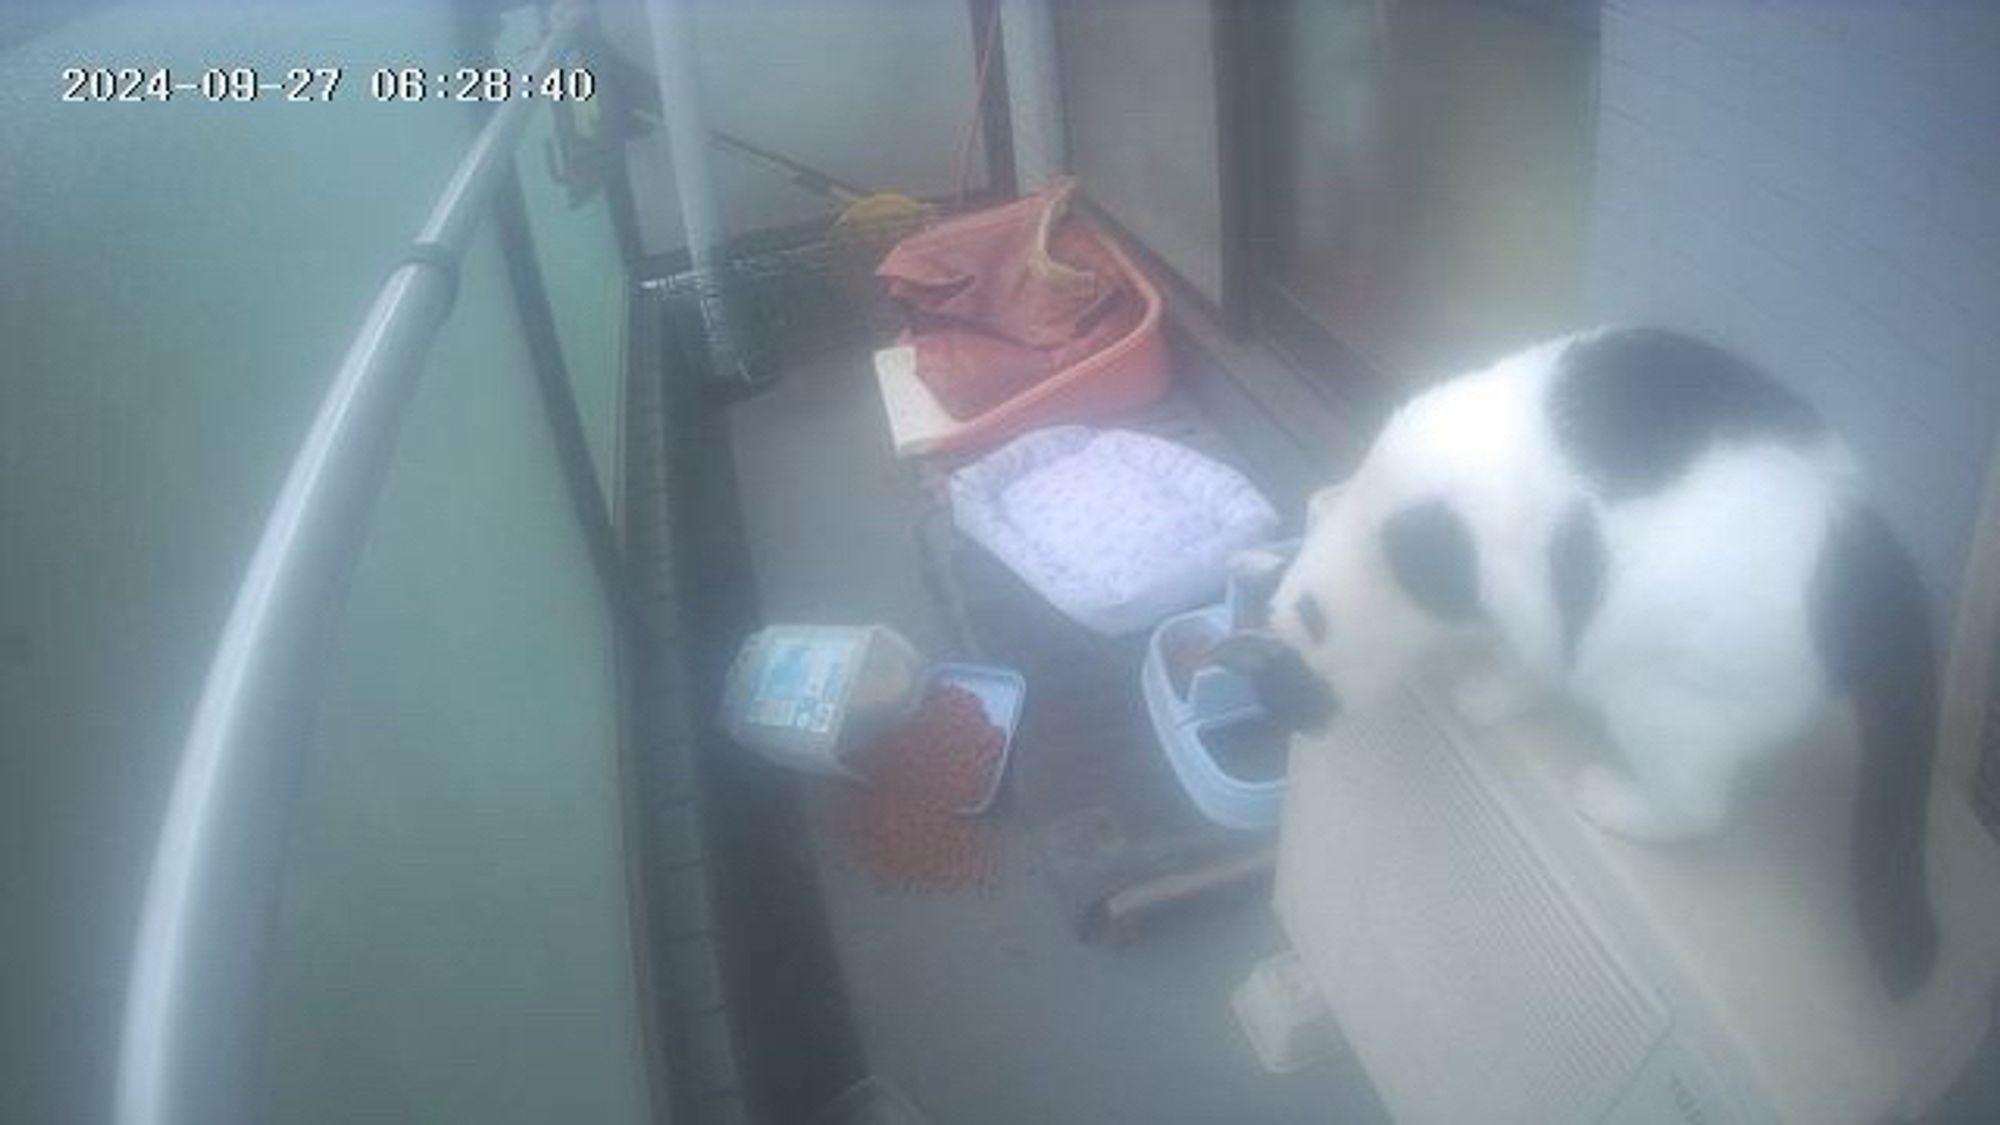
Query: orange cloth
1001	299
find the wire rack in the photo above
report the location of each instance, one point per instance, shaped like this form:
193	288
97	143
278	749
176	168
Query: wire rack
738	323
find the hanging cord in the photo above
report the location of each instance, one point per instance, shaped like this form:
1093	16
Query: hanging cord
973	124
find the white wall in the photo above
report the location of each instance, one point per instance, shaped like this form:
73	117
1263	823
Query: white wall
1818	185
875	92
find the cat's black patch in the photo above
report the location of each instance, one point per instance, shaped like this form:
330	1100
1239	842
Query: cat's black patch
1871	623
1311	618
1431	553
1633	409
1576	573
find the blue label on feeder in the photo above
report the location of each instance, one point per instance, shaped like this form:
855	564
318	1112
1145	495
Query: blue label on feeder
801	684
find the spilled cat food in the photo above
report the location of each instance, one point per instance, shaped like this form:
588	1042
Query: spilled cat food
906	825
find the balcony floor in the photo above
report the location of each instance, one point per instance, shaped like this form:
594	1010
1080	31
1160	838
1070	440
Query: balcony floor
984	1005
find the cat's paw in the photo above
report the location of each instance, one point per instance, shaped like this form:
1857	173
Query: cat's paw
1615	803
1486	699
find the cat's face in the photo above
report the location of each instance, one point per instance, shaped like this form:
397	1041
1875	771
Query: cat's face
1341	606
1356	608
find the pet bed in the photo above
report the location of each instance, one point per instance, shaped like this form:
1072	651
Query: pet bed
1115	529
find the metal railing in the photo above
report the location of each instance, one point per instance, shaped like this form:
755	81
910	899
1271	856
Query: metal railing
189	1039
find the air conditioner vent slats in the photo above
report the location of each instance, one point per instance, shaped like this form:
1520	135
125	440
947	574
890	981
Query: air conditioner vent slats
1472	986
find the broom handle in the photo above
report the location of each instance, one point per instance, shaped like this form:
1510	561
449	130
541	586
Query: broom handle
645	104
813	180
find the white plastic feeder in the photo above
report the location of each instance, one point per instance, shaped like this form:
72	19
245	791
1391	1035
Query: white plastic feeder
1213	700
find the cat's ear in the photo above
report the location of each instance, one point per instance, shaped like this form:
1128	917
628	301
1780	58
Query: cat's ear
1431	553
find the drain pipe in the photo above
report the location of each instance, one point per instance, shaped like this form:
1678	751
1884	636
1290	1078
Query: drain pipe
672	25
1034	91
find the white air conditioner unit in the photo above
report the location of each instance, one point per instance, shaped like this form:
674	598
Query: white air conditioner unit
1492	959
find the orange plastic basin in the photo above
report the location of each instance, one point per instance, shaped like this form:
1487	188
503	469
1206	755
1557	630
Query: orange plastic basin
1127	374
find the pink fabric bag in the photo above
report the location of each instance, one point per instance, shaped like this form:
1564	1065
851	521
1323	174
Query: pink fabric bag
1001	299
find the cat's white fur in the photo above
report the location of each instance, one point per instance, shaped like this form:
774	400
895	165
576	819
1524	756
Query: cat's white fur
1700	655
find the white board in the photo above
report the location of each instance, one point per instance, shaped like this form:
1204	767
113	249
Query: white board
916	420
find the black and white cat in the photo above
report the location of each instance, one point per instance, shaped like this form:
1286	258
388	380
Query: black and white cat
1675	540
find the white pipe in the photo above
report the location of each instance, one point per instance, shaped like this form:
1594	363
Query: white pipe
672	26
1034	91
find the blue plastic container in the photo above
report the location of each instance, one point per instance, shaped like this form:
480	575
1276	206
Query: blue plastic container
1002	692
1213	698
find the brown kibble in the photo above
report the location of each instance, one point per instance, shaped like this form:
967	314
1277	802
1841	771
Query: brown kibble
905	827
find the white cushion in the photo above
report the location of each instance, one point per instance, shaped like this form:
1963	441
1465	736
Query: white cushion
1116	529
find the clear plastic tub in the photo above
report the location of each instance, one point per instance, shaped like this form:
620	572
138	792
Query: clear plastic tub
805	696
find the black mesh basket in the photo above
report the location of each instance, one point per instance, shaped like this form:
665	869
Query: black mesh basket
740	323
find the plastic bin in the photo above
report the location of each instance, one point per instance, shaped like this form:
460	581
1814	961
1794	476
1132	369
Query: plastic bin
1001	691
805	696
1129	373
1216	697
1195	718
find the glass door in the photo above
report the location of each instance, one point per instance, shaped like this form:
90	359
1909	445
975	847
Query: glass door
1419	179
